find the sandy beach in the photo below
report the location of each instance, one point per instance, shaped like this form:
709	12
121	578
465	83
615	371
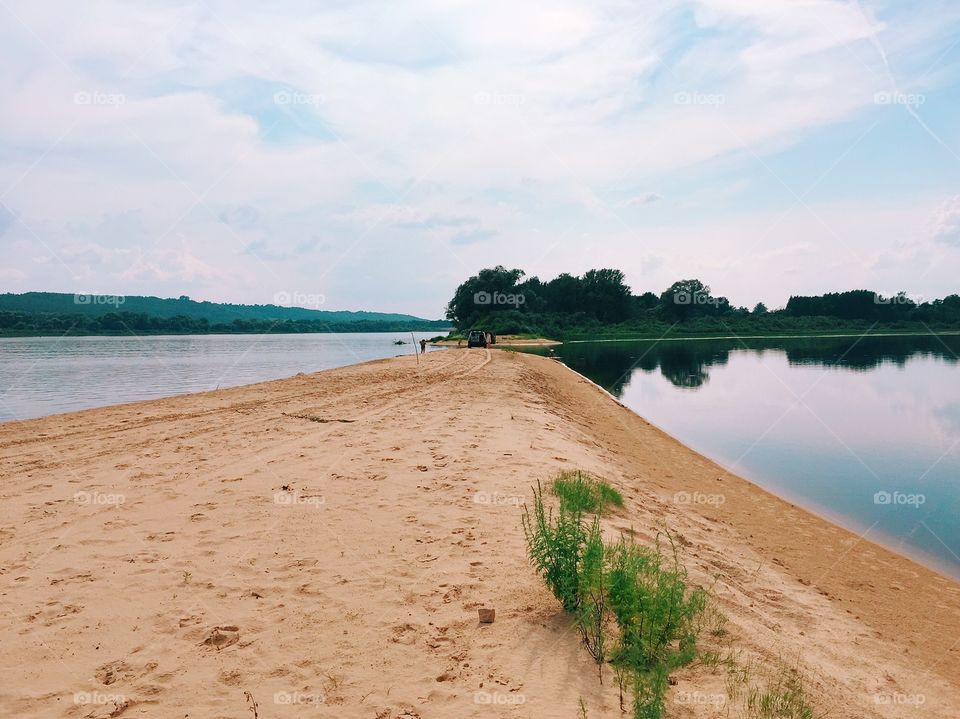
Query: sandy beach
504	341
320	545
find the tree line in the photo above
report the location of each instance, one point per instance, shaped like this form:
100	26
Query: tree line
506	301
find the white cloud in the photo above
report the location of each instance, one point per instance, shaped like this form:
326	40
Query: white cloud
947	223
647	198
241	216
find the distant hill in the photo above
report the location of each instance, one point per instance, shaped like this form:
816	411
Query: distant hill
33	313
214	312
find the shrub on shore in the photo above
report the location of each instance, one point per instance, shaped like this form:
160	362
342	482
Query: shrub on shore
657	618
635	609
631	598
556	546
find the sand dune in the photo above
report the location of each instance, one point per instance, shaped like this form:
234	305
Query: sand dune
320	546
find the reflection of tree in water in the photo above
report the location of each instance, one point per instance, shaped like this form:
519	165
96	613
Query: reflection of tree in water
871	352
687	363
610	366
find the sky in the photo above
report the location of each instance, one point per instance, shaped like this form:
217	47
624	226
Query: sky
373	155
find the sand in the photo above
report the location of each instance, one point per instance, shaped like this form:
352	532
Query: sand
504	341
189	556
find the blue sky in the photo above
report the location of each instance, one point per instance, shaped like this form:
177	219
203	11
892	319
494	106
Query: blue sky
376	154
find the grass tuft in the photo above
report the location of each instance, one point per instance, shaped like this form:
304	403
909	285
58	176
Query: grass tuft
767	690
580	492
783	698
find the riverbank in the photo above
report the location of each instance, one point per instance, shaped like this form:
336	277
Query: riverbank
503	341
327	539
830	335
272	329
507	341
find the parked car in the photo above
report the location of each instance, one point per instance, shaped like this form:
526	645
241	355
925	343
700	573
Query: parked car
476	338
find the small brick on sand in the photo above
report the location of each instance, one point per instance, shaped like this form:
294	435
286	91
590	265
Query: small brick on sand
486	615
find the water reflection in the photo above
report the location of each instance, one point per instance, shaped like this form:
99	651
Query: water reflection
686	364
829	423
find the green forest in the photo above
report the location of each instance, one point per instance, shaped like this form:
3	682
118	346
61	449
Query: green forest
600	304
54	313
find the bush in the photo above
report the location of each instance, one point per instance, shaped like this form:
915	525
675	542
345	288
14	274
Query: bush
591	614
570	556
634	596
555	546
656	615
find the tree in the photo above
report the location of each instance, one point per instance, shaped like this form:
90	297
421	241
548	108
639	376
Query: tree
562	293
533	291
852	305
488	291
646	301
605	294
760	309
691	298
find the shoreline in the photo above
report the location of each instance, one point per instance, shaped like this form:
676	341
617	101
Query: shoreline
407	464
841	521
502	342
128	335
944	333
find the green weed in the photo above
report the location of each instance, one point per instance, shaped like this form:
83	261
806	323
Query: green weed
784	698
555	545
631	604
578	491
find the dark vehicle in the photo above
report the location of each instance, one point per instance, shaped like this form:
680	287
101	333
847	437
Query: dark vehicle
476	338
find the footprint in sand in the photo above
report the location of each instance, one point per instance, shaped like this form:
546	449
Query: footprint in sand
222	637
451	594
165	537
114	671
404	634
231	678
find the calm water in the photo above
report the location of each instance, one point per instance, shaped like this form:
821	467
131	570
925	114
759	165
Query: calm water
47	375
865	432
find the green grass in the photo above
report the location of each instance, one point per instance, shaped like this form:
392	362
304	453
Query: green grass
784	698
764	689
580	492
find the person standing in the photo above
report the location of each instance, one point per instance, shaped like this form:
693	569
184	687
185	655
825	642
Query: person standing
423	347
